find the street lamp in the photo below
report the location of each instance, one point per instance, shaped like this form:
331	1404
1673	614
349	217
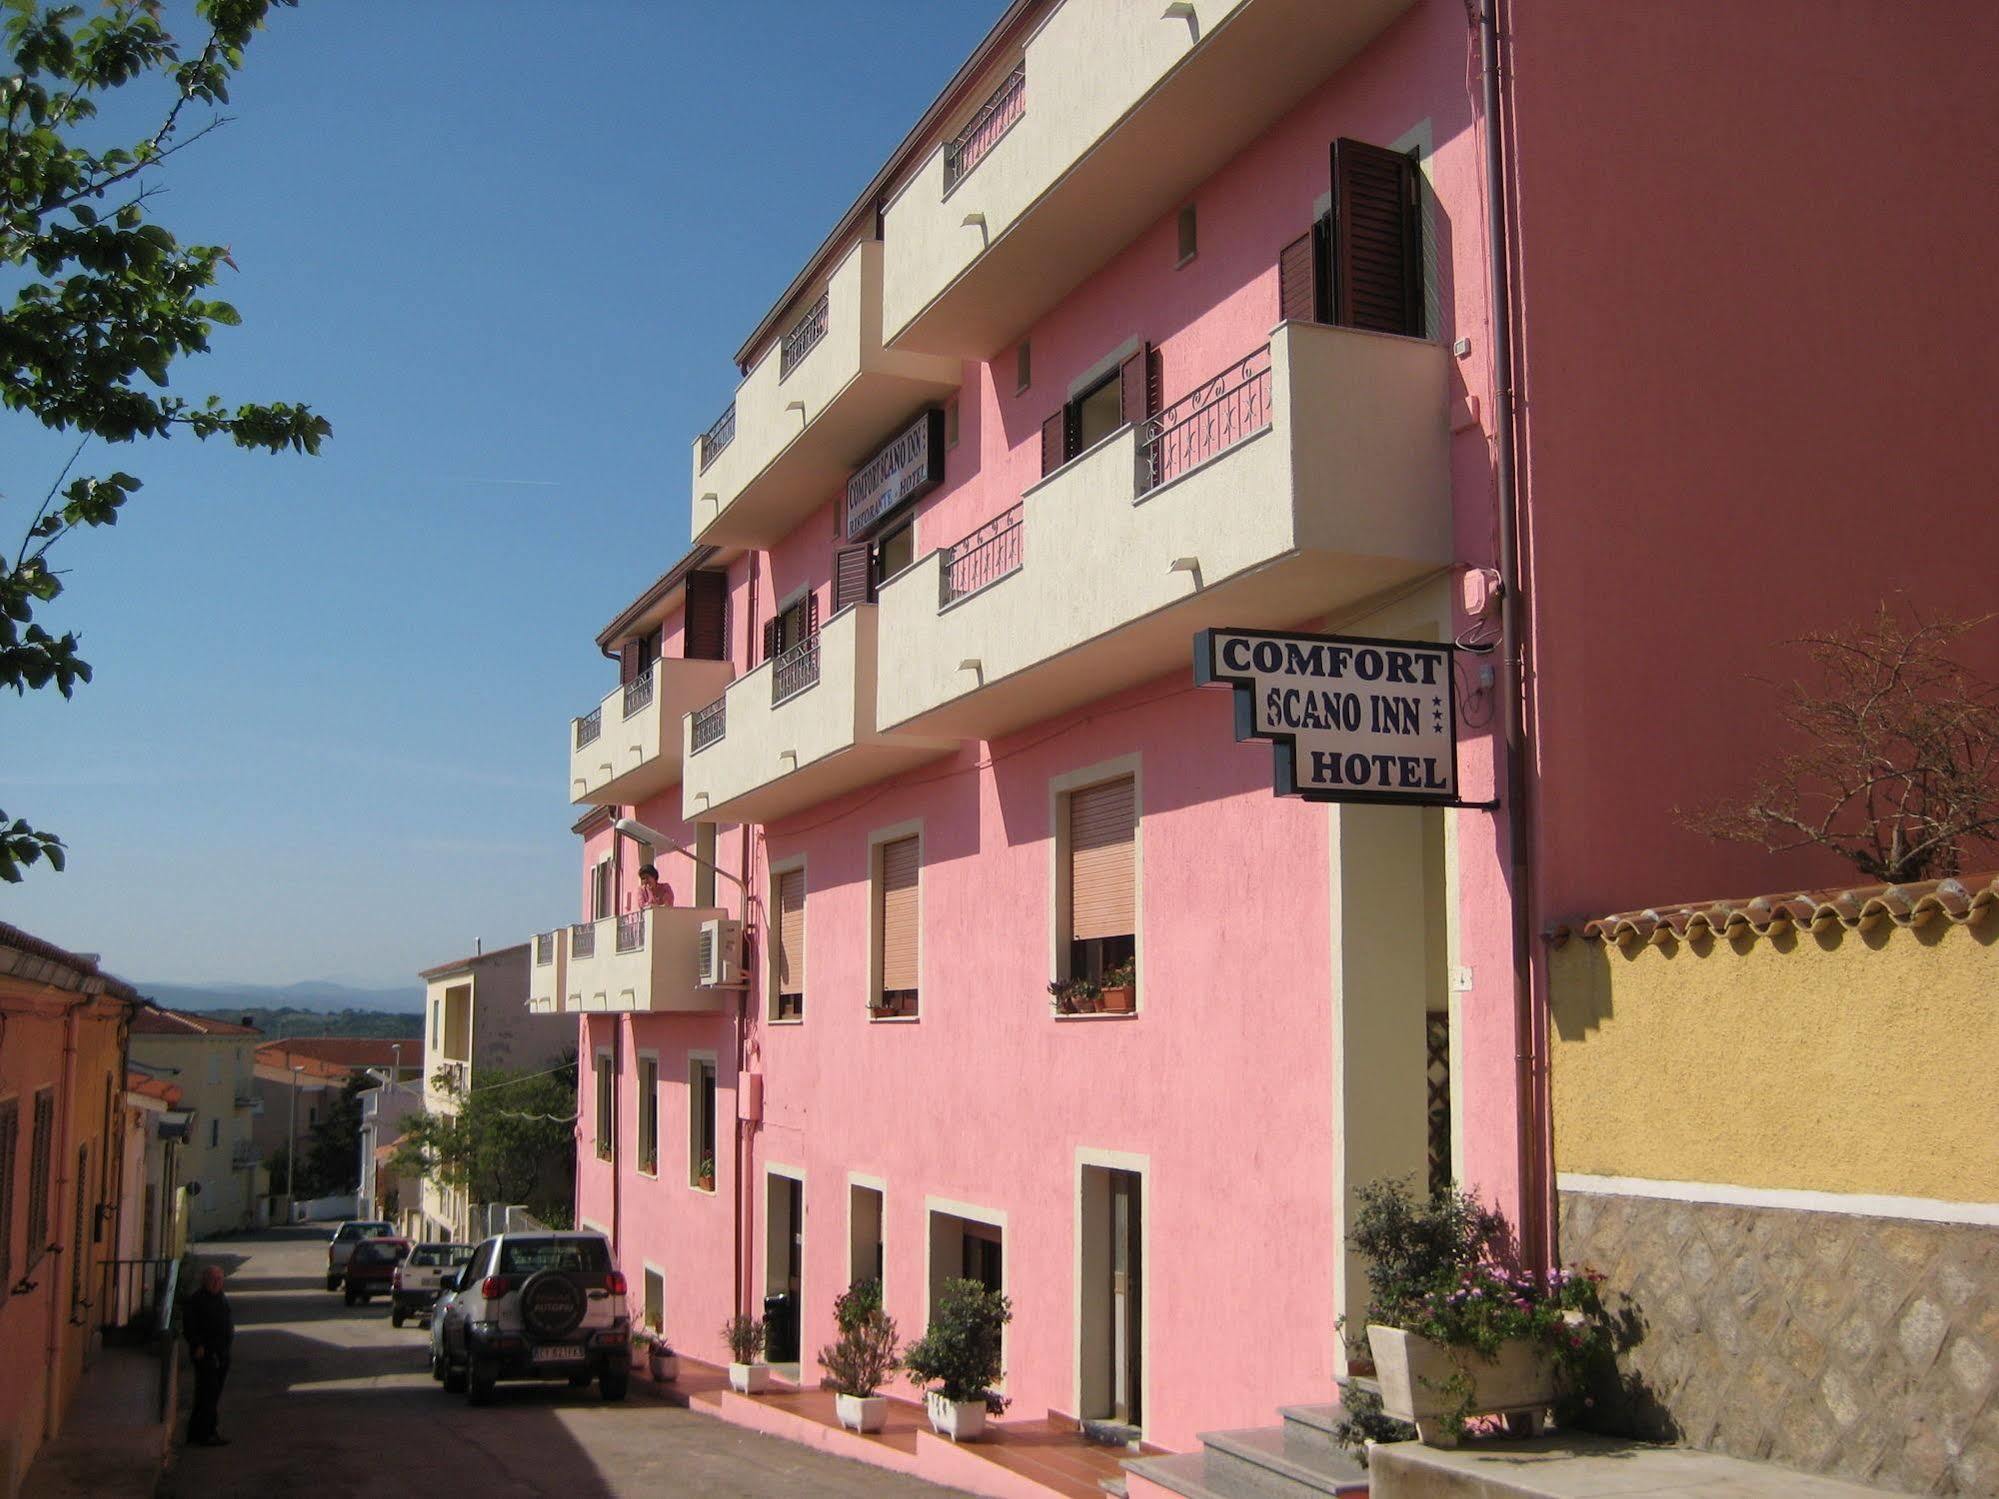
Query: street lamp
291	1150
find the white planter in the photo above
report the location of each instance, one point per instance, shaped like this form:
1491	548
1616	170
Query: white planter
862	1412
665	1367
749	1379
1413	1373
960	1420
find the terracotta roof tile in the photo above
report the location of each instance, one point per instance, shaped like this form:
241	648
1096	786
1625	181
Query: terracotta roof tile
152	1087
153	1020
346	1052
1963	899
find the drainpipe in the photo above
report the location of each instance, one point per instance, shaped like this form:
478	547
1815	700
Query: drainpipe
65	1106
1534	1236
742	1204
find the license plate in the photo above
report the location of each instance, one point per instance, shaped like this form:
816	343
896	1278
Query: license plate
560	1353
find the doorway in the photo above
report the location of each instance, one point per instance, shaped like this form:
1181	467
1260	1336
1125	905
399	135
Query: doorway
864	1234
784	1266
1112	1302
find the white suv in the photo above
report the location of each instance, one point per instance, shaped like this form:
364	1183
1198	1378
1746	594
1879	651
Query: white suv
536	1306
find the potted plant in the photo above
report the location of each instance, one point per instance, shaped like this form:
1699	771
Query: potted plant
862	1358
1456	1327
704	1174
1120	987
662	1363
1074	996
960	1353
748	1373
641	1346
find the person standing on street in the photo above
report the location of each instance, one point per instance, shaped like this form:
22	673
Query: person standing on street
210	1330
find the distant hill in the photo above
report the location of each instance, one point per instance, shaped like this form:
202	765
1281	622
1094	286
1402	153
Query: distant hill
286	1022
311	995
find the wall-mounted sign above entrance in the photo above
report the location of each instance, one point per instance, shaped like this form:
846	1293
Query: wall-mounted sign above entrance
1352	719
912	462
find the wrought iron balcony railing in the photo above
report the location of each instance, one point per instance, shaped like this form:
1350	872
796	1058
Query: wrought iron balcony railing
710	723
718	436
583	940
982	132
1214	416
638	691
795	670
985	556
589	726
803	338
631	931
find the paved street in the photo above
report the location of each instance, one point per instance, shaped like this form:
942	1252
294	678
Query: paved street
329	1401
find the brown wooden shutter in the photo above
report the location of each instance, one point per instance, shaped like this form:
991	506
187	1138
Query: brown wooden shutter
1103	893
1131	387
628	662
773	634
1052	444
811	616
852	579
707	635
791	932
1375	240
898	915
1297	280
1155	382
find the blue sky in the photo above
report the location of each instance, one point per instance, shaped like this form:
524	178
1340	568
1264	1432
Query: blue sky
509	249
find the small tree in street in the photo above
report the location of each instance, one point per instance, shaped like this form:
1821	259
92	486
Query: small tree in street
103	301
1900	770
511	1139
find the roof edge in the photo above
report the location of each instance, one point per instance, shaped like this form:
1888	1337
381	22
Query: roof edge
667	581
1958	900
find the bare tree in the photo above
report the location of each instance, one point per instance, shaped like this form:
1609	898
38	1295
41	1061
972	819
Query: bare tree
1900	770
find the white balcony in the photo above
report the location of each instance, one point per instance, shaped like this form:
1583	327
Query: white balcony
822	395
548	970
1293	485
628	748
1122	111
798	729
645	963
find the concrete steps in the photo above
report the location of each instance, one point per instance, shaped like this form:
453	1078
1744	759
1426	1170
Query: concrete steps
1293	1460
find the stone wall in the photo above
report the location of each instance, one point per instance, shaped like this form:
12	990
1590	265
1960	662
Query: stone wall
1864	1348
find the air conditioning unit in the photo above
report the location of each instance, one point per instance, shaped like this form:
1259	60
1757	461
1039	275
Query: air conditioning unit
719	955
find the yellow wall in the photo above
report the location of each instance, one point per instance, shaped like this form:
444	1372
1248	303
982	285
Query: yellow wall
1848	1062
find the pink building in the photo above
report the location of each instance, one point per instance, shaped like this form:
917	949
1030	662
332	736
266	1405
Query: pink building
1159	324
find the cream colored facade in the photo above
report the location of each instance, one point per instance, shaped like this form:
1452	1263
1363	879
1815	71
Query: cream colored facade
1344	495
796	433
1127	106
548	971
1832	1061
660	974
821	740
216	1075
636	754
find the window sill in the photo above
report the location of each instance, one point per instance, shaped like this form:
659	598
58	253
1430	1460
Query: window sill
1099	1015
699	1190
786	1020
649	1173
874	1019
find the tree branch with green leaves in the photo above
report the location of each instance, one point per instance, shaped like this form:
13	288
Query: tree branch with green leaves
104	302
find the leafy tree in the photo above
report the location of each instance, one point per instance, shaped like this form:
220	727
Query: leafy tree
332	1163
1899	773
511	1139
104	301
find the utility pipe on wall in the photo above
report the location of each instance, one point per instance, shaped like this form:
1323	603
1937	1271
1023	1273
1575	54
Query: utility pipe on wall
1535	1238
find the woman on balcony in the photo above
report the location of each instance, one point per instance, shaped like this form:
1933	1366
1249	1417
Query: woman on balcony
651	891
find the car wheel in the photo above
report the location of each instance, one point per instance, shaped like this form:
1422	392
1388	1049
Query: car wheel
454	1378
578	1381
614	1382
350	1297
395	1316
437	1368
332	1282
485	1374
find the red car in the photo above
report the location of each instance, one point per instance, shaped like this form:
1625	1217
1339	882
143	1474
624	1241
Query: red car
371	1269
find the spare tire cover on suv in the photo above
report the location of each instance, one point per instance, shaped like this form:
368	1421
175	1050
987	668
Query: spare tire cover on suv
552	1303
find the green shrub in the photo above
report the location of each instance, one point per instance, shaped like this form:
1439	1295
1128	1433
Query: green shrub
960	1350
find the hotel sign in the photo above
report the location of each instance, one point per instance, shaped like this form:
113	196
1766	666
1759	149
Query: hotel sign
1352	719
911	463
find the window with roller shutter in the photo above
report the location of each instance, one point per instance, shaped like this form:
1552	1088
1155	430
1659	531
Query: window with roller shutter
788	964
897	919
1102	875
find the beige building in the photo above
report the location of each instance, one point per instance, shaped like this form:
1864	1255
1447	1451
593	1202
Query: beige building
213	1063
476	1021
